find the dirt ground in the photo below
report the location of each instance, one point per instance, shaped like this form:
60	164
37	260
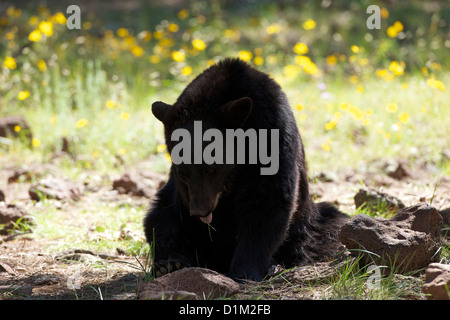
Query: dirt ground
27	271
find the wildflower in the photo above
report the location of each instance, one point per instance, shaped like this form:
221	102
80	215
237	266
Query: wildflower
186	71
183	14
35	35
122	32
173	27
353	79
273	28
59	18
326	147
198	44
35	142
330	125
395	29
178	56
300	48
245	55
122	151
331	60
299	107
42	65
33	21
23	95
17	128
354	48
309	24
154	59
9	63
360	89
46	27
125	115
259	61
403	117
110	104
391	108
137	51
384	13
145	35
398	68
82	123
436	84
161	147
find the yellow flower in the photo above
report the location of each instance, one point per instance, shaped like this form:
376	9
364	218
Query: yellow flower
145	35
273	28
122	32
360	89
33	21
59	18
398	68
9	63
173	27
331	60
391	108
403	117
137	51
300	48
17	128
82	123
259	61
122	151
330	125
198	44
326	147
35	35
183	14
46	28
35	142
395	29
309	24
178	56
154	59
23	95
436	84
353	79
160	148
53	119
42	65
110	104
186	71
245	55
354	48
384	13
125	115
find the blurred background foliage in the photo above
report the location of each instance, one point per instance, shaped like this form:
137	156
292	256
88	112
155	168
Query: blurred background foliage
85	83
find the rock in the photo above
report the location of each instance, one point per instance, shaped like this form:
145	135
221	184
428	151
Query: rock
139	184
9	214
400	172
56	188
189	283
437	282
15	126
408	241
375	200
445	216
2	196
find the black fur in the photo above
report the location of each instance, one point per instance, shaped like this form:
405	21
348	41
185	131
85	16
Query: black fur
257	219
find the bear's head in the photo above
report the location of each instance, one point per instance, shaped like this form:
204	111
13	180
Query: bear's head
195	139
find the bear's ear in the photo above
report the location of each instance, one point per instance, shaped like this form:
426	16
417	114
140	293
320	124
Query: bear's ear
236	112
159	110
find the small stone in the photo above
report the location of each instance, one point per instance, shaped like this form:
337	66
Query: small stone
9	214
56	188
200	283
400	172
375	200
437	282
138	184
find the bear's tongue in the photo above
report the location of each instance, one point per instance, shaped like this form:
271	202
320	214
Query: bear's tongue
207	219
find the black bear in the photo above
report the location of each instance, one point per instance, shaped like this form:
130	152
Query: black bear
231	216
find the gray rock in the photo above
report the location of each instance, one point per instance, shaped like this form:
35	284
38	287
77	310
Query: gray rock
408	241
139	184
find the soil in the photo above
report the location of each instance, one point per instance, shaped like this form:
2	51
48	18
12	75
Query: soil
29	271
